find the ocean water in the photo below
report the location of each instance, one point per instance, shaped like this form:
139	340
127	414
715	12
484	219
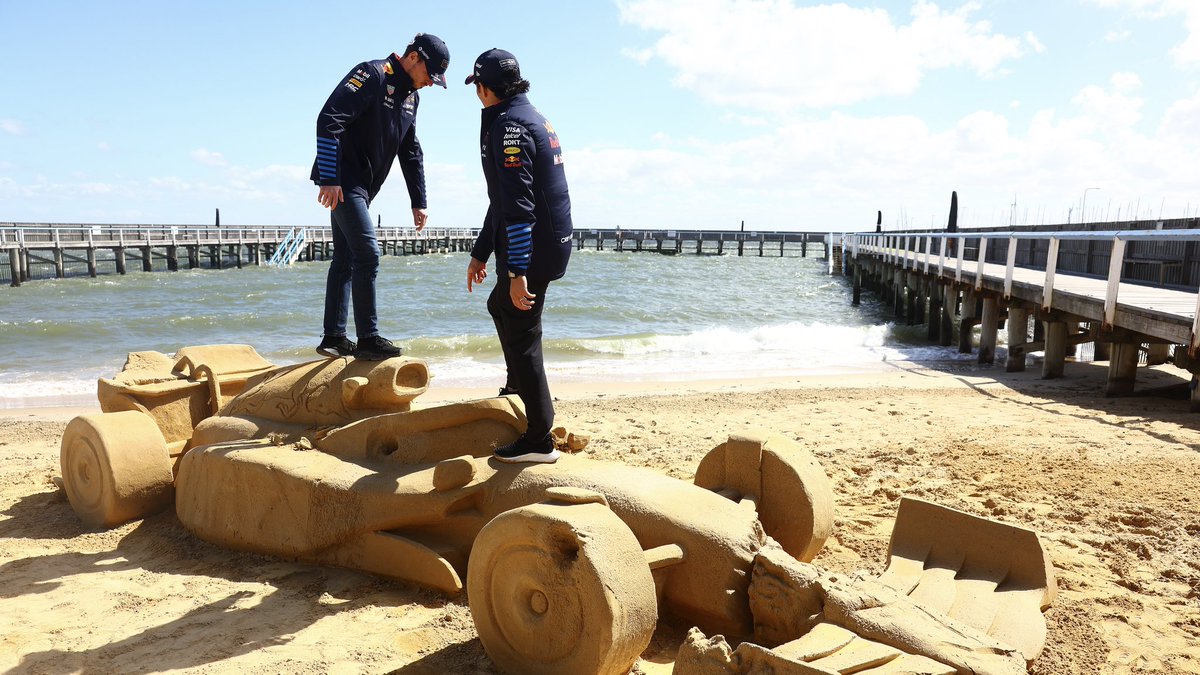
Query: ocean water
615	316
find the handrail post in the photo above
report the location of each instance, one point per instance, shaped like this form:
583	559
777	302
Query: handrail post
1051	267
1009	265
1116	260
959	252
979	267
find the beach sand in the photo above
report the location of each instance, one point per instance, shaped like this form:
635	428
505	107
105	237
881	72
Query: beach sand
1112	485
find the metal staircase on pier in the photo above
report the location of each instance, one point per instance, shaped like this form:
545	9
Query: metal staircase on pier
289	249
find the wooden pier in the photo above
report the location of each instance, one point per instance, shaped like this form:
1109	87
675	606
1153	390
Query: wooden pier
704	242
44	251
58	251
1077	287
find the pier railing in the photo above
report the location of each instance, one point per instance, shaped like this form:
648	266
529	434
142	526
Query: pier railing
1162	258
33	250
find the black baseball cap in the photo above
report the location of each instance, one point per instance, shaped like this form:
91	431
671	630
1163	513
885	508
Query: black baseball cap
434	53
495	67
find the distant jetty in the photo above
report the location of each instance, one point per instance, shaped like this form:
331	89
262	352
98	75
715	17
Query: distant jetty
31	251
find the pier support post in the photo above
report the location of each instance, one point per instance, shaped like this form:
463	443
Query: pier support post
1122	369
1158	353
14	266
922	298
987	335
236	251
858	275
193	253
1018	337
147	264
173	258
119	254
91	261
934	319
803	246
1055	357
946	335
898	294
966	322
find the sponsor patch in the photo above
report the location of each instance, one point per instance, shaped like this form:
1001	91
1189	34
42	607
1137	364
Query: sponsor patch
512	151
554	143
391	90
512	162
387	68
558	159
549	127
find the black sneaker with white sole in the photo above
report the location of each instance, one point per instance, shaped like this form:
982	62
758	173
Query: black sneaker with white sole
334	346
375	348
525	451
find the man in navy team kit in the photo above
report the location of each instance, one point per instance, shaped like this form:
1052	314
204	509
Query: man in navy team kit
528	226
367	123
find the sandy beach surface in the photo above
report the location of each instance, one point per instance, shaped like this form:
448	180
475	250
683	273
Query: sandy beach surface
1112	485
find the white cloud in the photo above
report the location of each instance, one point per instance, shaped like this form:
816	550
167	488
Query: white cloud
10	126
816	56
1117	36
835	171
1186	53
102	145
209	158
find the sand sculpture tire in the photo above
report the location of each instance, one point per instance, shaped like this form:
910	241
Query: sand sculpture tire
115	467
561	589
782	481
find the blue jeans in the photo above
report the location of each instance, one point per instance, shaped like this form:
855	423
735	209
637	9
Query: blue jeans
353	268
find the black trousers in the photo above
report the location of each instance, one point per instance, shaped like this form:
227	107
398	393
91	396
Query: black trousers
520	333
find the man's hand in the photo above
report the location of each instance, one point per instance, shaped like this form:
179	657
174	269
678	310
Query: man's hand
330	196
419	218
476	273
518	292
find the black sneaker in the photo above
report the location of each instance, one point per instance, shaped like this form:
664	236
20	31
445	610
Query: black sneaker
525	451
335	346
375	348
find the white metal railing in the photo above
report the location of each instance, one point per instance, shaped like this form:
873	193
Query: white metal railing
904	248
289	249
60	236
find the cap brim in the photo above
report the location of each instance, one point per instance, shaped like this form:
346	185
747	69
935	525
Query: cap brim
470	79
439	79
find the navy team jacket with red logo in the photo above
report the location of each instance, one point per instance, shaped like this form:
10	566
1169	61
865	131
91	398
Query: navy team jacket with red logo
369	120
523	165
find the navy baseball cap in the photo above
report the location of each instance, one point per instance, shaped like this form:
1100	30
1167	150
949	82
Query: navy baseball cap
434	53
495	67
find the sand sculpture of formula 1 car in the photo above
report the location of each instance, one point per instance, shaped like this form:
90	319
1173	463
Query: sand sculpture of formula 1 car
567	566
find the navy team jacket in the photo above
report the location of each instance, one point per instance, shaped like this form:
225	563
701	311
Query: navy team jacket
369	120
523	165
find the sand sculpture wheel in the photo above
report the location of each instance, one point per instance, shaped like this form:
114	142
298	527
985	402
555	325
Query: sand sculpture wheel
568	566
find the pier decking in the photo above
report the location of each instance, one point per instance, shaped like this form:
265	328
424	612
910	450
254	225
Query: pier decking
1131	313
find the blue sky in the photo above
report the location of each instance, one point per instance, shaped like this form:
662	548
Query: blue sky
695	114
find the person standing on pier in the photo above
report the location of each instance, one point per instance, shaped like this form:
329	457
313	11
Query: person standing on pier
367	122
528	226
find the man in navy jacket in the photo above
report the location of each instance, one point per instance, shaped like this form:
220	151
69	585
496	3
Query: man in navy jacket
367	123
528	227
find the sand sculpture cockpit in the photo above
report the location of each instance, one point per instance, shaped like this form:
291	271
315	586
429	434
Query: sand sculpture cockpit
567	566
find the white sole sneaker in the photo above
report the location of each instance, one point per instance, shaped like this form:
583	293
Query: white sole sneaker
531	458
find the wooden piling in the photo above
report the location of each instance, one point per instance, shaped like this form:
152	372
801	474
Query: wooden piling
1055	354
1122	369
966	322
1018	337
91	261
987	335
950	299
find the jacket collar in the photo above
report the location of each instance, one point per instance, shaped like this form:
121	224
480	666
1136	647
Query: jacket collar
491	113
398	78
